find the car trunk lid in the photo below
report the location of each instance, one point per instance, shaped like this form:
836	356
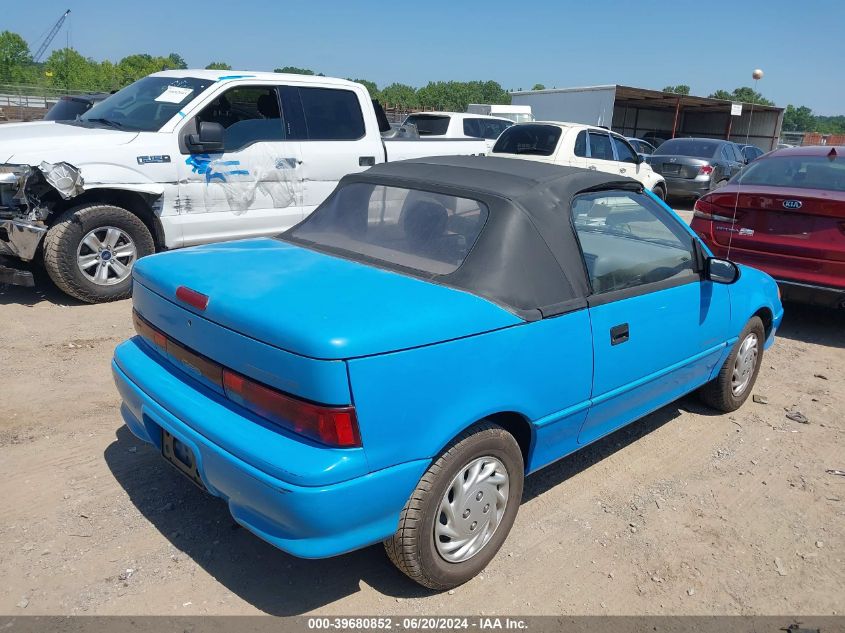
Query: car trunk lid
316	305
687	167
809	223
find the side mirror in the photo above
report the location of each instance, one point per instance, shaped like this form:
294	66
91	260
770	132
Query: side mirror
721	271
209	140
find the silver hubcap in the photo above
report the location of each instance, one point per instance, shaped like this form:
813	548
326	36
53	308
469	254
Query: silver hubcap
746	361
105	255
471	509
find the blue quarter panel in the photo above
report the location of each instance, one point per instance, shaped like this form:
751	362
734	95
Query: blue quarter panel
318	305
411	403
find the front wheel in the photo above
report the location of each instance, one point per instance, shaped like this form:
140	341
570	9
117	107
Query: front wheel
736	379
90	251
461	511
660	192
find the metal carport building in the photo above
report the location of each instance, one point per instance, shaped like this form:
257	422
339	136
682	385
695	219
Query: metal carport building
635	112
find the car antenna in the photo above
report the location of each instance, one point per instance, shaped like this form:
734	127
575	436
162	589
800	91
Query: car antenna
756	75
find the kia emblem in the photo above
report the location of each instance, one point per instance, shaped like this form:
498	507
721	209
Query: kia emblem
792	204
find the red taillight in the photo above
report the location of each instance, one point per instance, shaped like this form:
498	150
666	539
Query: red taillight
335	426
192	297
705	170
705	210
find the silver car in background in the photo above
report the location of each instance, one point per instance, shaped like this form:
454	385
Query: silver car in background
694	166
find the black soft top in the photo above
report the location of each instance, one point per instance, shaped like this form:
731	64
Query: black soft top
527	257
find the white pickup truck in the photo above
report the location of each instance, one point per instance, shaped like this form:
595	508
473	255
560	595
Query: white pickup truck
181	158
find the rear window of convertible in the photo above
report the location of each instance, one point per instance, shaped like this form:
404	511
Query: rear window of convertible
423	231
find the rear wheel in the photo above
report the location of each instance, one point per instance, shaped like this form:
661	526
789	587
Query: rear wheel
736	379
461	511
90	251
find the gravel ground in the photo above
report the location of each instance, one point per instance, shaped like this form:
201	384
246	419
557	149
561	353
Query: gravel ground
683	512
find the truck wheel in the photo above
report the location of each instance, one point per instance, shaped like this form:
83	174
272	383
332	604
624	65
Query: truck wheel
660	192
89	252
461	511
736	379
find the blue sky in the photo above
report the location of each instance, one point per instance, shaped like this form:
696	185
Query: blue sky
643	43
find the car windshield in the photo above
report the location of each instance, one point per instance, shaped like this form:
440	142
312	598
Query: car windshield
802	172
429	125
688	147
531	139
147	104
419	230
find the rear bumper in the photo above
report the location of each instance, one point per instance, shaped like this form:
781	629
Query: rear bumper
686	186
812	294
306	521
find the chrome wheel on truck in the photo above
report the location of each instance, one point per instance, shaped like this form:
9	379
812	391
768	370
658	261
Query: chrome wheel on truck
90	250
105	255
461	510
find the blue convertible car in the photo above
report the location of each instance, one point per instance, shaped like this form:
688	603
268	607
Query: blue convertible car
392	367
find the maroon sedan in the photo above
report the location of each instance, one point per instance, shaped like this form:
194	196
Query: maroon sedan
784	214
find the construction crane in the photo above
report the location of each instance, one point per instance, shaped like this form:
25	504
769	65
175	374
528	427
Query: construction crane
53	32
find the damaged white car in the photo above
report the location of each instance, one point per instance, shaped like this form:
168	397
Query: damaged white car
182	158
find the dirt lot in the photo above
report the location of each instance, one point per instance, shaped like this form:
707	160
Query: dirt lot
684	512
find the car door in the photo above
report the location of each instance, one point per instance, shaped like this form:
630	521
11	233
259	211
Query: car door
600	154
626	157
334	139
658	329
253	187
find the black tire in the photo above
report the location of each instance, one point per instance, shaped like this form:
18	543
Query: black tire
62	244
660	192
719	393
412	548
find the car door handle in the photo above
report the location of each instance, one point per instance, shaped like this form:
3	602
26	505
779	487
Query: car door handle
619	334
366	161
621	170
593	167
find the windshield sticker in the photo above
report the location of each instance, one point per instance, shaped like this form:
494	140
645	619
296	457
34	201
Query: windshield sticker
203	164
174	94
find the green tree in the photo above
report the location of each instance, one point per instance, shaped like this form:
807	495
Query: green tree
400	95
15	58
680	89
293	70
66	68
176	61
538	87
371	87
218	66
798	119
743	95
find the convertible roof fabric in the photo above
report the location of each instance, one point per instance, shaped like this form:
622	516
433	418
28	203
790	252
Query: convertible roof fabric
527	256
